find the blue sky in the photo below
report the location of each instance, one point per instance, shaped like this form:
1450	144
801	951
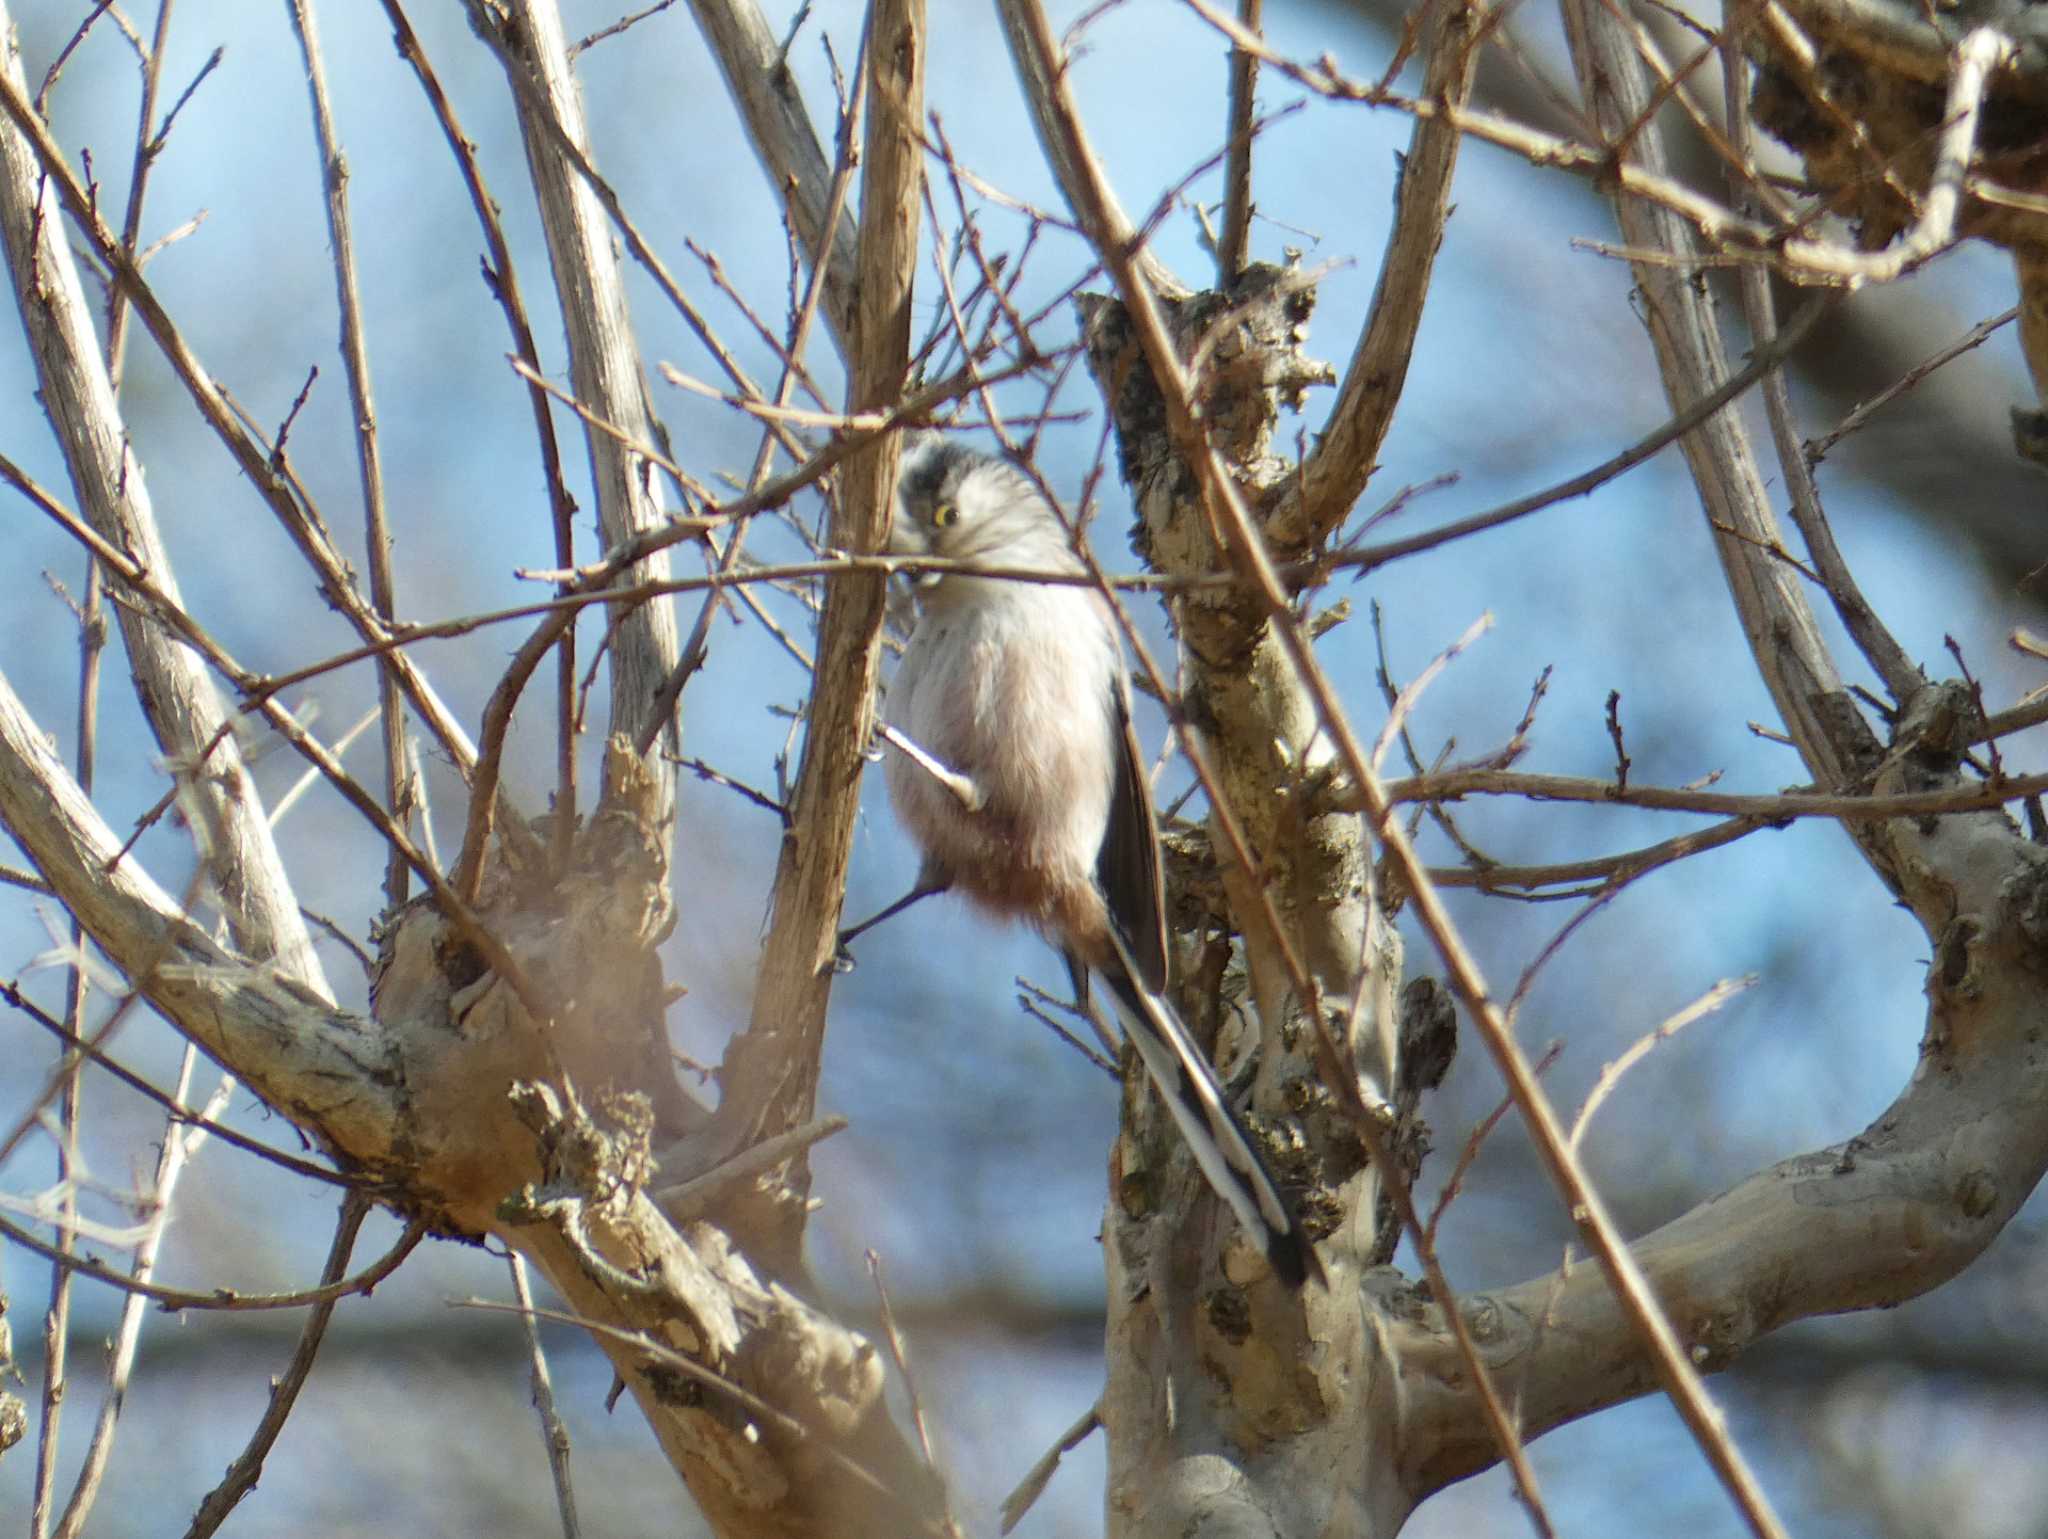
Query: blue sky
978	1145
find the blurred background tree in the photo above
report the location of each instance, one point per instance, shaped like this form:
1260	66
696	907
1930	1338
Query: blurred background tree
973	1166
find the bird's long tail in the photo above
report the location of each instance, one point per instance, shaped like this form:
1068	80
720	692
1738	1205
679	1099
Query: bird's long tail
1218	1140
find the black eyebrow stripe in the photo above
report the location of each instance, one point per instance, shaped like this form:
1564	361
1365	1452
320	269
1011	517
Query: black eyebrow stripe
933	469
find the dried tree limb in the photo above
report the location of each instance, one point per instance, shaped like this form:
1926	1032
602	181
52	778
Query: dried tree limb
242	1475
1346	455
179	700
1039	77
788	146
604	363
250	455
355	357
771	1069
1226	507
1164	1476
262	697
424	1109
1867	1223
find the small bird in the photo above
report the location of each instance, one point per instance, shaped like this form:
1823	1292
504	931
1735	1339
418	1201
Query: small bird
1037	806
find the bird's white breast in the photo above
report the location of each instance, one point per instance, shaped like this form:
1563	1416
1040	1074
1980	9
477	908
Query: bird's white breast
1013	686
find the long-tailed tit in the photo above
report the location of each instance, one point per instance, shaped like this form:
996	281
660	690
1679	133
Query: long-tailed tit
1037	807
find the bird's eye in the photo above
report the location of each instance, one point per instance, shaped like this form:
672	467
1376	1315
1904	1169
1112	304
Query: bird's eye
945	516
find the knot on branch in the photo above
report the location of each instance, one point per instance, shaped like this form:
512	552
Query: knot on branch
580	914
600	1161
2026	899
1935	727
1242	347
843	1371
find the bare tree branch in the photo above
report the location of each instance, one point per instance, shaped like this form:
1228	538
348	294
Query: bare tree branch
771	1070
1867	1223
179	1145
184	711
254	460
1042	78
408	1100
1335	475
604	362
790	151
355	357
243	1474
1235	240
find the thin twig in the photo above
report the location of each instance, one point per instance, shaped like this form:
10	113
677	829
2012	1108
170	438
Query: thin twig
1454	1184
693	651
242	1475
1019	1501
1611	1074
175	1299
260	693
148	146
27	881
1449	785
619	26
902	1360
57	1317
554	1433
685	1199
1406	699
1816	449
93	1048
179	1145
355	354
1336	472
1810	260
1519	881
502	278
1233	244
1763	360
753	1404
545	117
250	454
766	92
1035	1002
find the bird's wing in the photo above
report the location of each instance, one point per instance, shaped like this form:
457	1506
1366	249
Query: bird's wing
1127	867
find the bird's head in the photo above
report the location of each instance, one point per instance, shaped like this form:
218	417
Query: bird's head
956	503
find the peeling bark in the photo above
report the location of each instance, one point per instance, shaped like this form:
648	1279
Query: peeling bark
1232	1407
